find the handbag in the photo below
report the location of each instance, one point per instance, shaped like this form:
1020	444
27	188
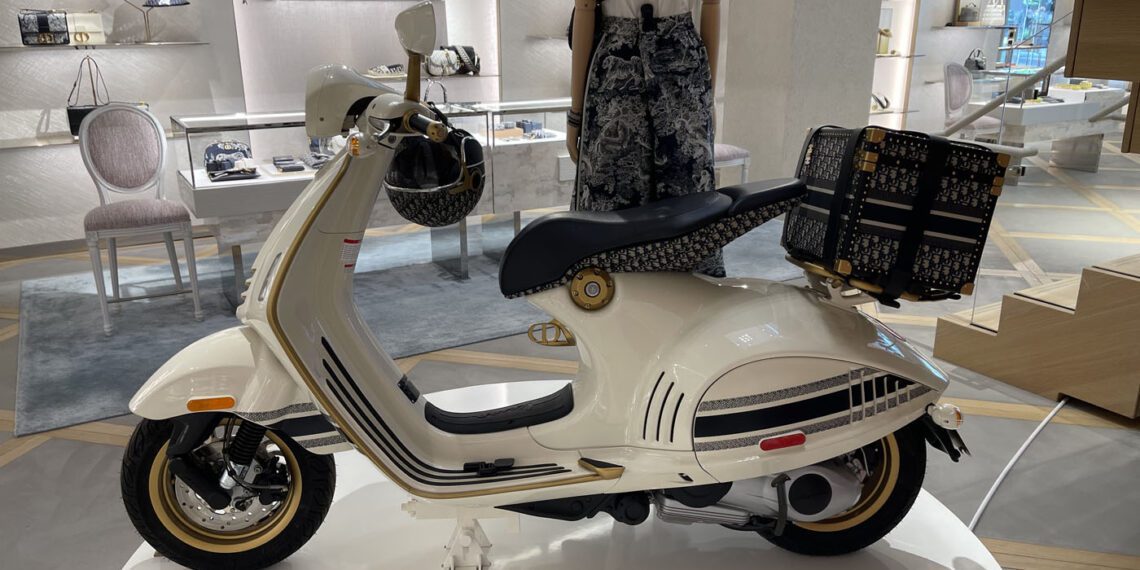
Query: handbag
976	61
442	62
76	112
469	63
43	27
86	28
230	160
969	14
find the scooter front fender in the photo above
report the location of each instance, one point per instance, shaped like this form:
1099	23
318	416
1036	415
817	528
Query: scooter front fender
232	363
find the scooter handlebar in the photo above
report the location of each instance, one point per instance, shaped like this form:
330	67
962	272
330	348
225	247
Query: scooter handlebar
430	128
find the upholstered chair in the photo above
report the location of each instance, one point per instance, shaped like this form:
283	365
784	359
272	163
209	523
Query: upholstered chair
959	88
726	155
124	149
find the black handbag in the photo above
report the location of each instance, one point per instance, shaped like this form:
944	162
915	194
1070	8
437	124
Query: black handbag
898	214
976	61
469	63
43	27
76	112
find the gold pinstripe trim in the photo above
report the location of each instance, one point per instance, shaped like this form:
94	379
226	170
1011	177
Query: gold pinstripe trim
322	398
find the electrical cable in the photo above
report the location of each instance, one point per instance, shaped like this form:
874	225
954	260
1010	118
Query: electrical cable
1013	461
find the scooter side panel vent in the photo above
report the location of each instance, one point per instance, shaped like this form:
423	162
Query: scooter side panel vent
659	423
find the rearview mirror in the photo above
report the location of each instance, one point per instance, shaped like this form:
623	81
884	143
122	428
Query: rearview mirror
416	29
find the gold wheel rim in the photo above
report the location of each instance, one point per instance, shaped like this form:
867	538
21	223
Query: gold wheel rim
166	508
876	491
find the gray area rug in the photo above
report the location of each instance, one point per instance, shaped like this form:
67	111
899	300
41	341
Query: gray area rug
70	373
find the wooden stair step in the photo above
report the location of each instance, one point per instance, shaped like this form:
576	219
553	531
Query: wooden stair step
1061	293
987	316
1129	266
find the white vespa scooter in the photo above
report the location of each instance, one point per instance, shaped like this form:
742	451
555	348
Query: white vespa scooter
759	406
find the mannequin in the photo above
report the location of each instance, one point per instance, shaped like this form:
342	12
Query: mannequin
640	126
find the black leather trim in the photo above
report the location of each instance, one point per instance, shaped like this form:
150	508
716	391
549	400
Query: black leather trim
754	195
548	247
534	412
308	425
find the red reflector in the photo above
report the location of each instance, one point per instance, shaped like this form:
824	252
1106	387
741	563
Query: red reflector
783	441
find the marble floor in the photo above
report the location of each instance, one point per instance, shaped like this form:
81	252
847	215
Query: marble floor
1070	503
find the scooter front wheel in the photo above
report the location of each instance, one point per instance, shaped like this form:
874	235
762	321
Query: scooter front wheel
256	530
897	466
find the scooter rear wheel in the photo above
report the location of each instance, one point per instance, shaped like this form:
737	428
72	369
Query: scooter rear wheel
182	527
889	491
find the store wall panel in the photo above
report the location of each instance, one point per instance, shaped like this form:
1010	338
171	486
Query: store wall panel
45	189
536	57
792	65
282	41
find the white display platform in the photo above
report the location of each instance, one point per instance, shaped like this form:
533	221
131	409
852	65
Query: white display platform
367	528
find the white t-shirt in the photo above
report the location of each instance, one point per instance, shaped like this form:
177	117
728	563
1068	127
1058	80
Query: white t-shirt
661	8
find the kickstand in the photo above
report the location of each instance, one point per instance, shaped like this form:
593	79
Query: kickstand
777	527
469	547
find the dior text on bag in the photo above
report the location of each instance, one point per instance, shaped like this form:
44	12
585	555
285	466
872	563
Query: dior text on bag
43	27
898	214
77	112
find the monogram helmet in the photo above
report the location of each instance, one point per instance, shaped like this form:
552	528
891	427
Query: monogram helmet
436	184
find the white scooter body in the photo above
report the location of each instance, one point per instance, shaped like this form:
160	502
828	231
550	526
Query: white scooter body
669	354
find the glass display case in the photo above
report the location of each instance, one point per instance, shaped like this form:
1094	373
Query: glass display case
244	163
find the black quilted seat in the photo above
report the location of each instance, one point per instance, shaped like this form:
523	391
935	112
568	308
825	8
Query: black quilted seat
756	195
662	236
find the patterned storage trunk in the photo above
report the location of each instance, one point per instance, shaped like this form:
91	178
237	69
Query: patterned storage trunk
895	213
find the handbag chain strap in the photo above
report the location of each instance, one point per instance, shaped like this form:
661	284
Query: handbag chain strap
96	77
462	51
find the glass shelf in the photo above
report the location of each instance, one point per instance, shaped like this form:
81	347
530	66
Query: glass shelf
953	27
894	112
195	124
81	47
899	56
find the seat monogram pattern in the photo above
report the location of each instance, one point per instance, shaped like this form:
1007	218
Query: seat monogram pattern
684	253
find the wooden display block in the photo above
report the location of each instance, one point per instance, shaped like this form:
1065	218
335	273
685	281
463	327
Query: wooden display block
1078	337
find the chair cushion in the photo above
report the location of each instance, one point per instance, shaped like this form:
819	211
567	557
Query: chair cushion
135	214
726	152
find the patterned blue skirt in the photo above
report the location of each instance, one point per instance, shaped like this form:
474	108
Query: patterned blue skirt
647	122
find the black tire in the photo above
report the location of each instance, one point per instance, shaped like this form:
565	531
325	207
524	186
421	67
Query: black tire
143	469
868	521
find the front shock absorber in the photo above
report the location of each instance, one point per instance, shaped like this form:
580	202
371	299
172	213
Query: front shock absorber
241	451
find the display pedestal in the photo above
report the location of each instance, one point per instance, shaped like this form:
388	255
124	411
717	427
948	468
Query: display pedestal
367	528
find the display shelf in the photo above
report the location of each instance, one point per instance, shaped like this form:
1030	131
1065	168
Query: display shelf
81	47
554	136
59	138
894	112
198	124
536	106
953	27
898	30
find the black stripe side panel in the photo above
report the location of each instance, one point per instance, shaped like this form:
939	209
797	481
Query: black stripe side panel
455	477
800	411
